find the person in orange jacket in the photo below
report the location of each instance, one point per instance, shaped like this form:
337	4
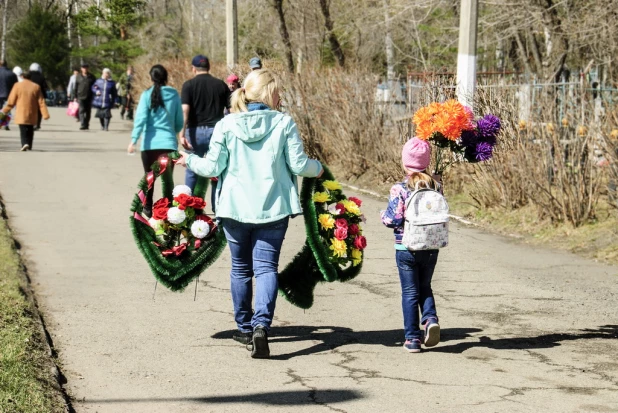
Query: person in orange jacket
29	99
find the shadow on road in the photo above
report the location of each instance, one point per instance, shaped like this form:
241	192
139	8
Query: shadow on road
334	337
529	343
280	398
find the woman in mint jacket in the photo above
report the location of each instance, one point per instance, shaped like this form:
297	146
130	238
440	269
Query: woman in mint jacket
257	153
158	119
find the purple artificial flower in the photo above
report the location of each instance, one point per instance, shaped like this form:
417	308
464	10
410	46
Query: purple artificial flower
484	151
469	138
488	127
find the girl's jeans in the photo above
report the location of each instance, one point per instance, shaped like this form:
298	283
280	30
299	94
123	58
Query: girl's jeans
415	272
255	252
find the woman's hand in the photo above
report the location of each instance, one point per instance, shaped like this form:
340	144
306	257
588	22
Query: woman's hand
182	161
184	142
131	148
321	173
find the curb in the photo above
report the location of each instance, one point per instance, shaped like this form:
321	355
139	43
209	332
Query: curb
56	372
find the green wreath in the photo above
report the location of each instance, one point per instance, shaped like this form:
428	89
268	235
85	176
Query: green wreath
173	272
314	263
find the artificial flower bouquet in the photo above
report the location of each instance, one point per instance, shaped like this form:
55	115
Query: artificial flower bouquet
182	225
339	220
5	119
451	127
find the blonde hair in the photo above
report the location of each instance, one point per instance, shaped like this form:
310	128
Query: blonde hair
260	86
421	179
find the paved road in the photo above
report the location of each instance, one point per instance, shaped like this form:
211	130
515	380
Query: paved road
524	329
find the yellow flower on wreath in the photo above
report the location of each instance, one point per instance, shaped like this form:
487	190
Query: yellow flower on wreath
321	197
357	257
351	207
332	185
339	247
326	220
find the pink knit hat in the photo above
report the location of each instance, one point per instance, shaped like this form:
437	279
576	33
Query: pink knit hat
416	155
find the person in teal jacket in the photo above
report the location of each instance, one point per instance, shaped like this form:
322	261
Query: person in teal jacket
257	154
158	120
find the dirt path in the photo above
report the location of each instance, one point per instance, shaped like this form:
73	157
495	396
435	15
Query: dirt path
524	329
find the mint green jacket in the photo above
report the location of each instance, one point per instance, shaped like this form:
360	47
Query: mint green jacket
256	156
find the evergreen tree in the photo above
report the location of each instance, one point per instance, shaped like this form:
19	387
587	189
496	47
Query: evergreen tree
41	37
108	29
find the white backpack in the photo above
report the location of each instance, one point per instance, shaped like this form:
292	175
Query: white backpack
426	220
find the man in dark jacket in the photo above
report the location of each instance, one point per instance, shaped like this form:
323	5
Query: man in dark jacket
7	80
36	76
83	92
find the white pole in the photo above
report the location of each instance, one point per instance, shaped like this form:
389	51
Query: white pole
231	21
466	57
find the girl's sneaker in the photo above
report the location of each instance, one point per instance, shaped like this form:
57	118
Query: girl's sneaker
412	346
432	332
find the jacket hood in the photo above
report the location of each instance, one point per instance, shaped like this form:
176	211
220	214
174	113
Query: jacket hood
253	126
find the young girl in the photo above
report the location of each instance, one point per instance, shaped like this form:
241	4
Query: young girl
415	267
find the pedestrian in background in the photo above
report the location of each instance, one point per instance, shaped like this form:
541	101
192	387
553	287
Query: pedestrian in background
125	87
83	92
104	98
7	80
28	98
204	99
255	63
232	82
158	120
71	89
19	73
36	76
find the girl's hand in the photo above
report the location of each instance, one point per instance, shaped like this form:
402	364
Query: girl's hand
182	161
131	148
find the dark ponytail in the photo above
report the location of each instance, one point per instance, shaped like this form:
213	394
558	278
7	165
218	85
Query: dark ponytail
158	75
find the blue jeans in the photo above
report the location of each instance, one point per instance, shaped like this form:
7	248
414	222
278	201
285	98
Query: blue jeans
415	272
255	252
199	139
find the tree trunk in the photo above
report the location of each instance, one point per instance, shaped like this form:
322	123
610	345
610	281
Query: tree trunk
69	31
330	34
388	40
3	46
285	36
522	52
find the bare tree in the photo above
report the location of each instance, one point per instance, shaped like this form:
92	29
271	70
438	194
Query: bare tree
335	46
285	36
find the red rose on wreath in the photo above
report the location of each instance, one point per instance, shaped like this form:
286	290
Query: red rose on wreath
341	223
159	209
357	201
353	229
360	242
196	202
341	233
183	201
340	208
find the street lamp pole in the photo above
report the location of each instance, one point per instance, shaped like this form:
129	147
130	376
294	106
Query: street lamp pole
466	56
231	21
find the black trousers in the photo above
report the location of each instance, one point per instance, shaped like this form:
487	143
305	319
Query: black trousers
85	111
126	107
26	133
148	158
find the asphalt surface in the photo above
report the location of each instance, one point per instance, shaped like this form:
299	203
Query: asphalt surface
523	328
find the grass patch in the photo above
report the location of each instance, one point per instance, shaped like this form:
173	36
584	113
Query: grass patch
26	381
597	239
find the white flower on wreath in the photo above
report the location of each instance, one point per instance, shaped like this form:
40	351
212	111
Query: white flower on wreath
181	189
176	215
156	224
200	229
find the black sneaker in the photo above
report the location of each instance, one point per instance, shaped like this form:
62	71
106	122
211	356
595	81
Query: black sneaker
260	348
243	338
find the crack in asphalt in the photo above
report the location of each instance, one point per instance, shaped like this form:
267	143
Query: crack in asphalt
313	392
